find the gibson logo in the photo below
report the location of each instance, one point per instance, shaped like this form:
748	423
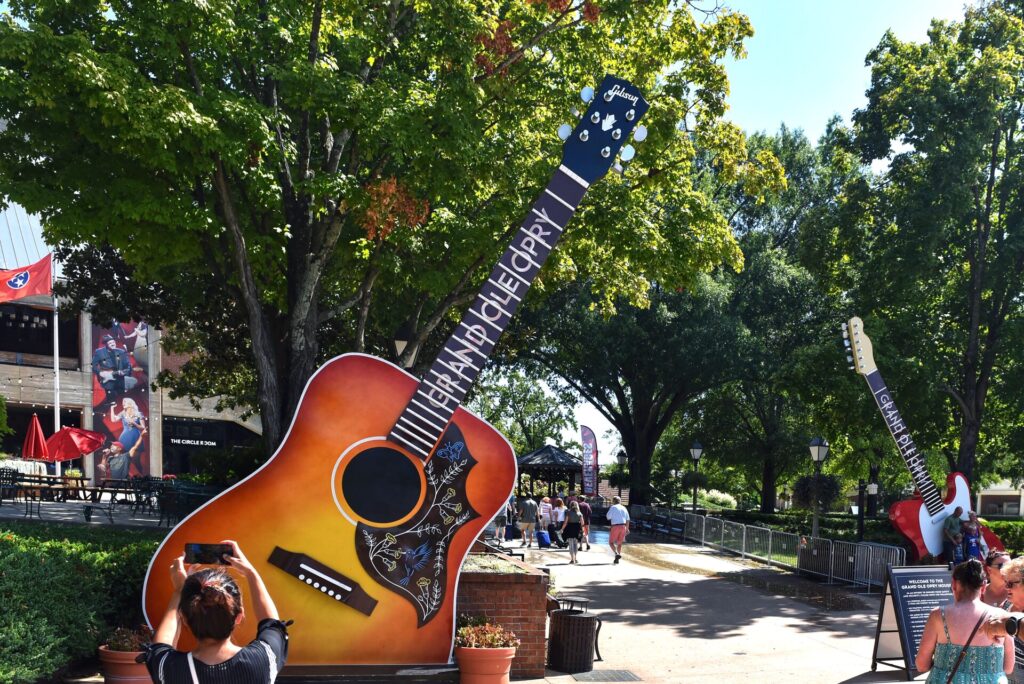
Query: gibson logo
619	91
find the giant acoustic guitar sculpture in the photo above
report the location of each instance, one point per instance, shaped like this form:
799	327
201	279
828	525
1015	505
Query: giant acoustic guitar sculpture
360	521
919	518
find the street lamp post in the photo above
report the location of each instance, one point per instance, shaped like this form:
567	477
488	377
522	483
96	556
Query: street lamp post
872	504
819	450
622	459
860	510
695	451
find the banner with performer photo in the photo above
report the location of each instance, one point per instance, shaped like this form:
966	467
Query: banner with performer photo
589	461
120	371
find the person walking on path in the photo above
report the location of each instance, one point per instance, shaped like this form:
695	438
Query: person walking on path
618	517
586	511
572	530
527	519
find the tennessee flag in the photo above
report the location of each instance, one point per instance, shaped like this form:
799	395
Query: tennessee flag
19	283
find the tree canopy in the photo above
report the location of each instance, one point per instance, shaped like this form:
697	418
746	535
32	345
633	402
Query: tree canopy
276	182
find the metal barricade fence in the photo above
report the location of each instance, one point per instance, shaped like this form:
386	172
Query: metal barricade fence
814	556
759	543
713	532
859	564
694	527
844	561
733	536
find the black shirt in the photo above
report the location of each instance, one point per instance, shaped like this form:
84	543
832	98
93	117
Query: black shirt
257	663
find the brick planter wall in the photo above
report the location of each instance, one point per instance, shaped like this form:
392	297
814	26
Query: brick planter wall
516	601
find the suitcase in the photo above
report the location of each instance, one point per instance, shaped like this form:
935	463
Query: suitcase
543	540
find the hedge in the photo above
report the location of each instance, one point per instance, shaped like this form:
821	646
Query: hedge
63	588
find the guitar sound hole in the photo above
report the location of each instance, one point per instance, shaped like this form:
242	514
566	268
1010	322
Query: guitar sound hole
381	485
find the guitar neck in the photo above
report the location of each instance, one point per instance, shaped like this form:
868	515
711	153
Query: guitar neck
445	385
904	442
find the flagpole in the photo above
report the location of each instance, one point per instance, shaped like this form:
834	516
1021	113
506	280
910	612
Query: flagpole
56	365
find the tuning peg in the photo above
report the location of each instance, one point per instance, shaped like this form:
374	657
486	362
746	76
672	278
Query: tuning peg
630	115
617	168
575	112
616	134
587	94
640	134
851	367
844	327
564	131
606	152
846	343
849	358
608	95
584	135
595	117
627	153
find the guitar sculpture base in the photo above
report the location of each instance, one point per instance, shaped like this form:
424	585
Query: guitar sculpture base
367	674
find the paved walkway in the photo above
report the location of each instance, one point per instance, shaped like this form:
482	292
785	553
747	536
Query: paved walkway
684	613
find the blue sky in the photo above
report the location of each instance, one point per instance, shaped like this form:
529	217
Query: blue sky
806	59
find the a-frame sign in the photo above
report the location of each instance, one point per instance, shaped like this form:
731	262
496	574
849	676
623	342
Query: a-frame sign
910	594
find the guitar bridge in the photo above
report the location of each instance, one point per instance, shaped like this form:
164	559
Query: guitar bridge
323	579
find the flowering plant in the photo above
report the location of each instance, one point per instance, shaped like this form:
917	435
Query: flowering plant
129	639
170	476
475	633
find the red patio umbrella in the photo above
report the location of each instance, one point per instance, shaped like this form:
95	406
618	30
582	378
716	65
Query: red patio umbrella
35	441
71	442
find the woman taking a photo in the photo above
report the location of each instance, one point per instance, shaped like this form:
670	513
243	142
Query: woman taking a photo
953	643
210	603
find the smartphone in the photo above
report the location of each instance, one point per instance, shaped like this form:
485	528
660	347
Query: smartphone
207	554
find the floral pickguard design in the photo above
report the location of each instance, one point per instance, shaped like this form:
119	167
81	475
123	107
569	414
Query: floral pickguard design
412	559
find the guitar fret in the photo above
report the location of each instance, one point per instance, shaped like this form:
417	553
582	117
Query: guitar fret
567	205
431	412
486	320
548	220
434	386
406	444
445	364
414	436
570	174
456	358
405	422
515	275
510	293
525	256
446	380
533	237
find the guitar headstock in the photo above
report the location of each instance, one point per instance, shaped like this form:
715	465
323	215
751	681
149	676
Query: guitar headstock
858	346
615	111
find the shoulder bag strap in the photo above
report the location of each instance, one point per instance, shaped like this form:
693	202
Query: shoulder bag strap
195	677
963	651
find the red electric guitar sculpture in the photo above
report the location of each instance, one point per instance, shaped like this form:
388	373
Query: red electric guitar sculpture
920	518
361	520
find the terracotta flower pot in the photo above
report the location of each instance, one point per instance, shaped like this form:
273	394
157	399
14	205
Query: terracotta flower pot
119	667
484	665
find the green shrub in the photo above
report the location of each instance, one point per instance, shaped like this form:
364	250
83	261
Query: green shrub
63	589
1011	532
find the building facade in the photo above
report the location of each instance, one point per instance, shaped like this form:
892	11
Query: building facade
106	374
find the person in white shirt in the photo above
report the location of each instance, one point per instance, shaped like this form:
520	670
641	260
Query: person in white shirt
618	517
545	513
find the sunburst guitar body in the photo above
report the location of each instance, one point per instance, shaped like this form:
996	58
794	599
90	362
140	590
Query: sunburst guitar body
360	521
295	502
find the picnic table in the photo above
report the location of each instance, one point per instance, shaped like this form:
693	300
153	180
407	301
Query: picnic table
34	488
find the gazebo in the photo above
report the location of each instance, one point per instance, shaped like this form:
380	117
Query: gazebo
549	463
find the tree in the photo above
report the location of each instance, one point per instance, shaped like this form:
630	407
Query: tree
638	368
281	181
526	412
945	239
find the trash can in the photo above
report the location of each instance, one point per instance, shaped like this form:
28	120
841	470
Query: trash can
572	640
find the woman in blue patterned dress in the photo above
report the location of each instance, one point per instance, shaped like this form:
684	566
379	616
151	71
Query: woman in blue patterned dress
988	659
132	422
